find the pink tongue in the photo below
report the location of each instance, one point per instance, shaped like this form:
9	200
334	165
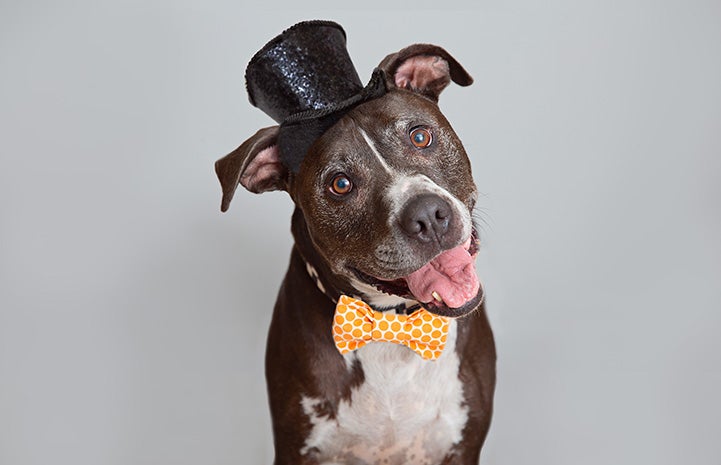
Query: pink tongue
452	275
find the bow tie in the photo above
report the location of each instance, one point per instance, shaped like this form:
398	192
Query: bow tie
355	324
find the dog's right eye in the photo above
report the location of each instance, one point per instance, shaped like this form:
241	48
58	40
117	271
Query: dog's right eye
341	185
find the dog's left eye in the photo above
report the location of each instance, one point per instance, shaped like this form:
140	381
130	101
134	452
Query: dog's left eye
420	137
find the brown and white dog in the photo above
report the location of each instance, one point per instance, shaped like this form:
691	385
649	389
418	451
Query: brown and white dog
384	203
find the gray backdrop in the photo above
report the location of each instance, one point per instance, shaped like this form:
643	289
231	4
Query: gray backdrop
133	314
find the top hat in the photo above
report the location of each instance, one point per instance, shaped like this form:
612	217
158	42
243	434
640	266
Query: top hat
305	80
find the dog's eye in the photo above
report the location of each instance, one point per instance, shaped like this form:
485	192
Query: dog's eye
341	185
420	137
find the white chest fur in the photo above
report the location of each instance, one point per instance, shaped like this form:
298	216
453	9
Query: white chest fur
408	410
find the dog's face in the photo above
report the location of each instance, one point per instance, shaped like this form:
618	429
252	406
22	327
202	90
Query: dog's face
387	192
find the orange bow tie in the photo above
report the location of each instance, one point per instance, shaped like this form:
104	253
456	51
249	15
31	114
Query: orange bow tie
355	324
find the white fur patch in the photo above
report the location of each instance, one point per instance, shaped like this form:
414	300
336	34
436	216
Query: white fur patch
406	187
377	299
375	152
407	411
315	277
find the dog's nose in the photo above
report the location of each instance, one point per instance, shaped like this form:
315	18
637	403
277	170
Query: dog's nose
426	218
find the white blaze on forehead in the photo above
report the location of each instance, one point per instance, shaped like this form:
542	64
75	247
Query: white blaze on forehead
380	158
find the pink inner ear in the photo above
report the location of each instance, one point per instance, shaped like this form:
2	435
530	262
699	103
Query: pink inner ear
419	71
264	171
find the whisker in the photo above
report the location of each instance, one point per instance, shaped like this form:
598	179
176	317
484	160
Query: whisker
482	219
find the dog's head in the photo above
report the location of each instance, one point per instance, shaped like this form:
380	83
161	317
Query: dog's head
386	193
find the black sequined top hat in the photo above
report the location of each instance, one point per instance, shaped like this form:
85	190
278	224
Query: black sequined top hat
305	80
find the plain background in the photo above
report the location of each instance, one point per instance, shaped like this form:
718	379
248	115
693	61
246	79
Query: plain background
133	314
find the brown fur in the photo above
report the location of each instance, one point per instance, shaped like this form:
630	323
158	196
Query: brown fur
335	235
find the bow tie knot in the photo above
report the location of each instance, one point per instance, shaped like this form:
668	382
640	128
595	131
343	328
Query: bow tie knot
355	324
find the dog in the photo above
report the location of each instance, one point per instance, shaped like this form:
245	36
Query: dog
382	223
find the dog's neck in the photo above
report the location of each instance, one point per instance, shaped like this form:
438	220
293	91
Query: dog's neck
332	285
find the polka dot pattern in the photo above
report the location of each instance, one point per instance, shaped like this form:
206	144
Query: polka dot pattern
355	324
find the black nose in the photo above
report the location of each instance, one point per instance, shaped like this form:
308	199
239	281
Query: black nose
426	218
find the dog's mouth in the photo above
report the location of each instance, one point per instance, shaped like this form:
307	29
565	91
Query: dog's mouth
447	285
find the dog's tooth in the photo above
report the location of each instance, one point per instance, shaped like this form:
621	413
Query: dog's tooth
437	296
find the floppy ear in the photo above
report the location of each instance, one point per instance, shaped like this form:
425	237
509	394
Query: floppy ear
255	164
424	68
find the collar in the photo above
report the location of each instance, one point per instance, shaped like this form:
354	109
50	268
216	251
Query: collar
401	309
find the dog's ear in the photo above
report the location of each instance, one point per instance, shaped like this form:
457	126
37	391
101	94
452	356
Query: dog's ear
424	68
255	164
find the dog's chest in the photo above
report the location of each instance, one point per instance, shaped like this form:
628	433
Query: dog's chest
408	410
